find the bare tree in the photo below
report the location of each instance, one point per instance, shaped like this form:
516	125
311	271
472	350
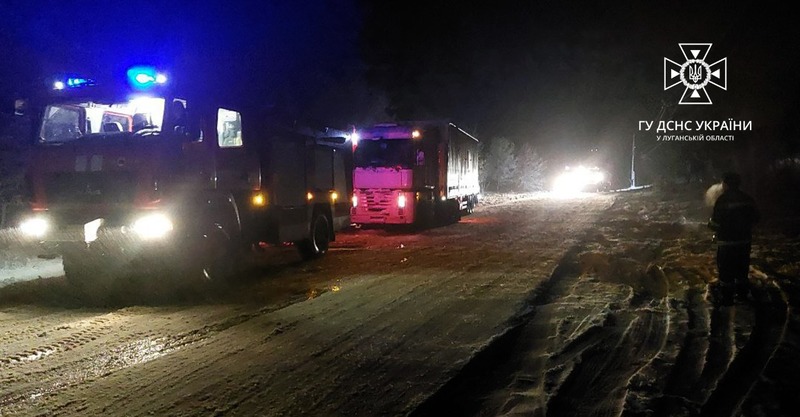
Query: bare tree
500	166
530	169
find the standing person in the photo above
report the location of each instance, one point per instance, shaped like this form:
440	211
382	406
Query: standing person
733	218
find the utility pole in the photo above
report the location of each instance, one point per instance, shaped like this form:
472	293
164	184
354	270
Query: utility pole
662	114
633	161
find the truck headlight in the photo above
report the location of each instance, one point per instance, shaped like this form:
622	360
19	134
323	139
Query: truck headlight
152	226
401	201
34	226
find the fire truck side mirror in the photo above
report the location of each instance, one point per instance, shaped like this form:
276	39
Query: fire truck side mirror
191	133
188	134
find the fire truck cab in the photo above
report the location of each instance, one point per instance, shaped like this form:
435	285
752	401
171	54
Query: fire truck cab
145	179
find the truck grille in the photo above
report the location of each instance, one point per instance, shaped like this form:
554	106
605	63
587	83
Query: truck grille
91	188
378	200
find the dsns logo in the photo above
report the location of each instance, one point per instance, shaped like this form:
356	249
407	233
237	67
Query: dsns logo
695	74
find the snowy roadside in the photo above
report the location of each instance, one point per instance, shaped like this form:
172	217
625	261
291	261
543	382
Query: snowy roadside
496	199
19	263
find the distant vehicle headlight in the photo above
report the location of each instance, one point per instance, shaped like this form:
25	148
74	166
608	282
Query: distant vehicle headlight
34	226
577	180
152	226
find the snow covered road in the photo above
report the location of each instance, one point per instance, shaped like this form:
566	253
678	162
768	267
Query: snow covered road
587	306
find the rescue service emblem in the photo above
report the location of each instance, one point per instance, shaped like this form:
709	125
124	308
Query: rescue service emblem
695	73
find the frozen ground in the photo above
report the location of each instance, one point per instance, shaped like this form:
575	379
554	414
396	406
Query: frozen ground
625	325
531	306
19	264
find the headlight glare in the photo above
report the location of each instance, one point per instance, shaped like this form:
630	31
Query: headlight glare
34	226
153	226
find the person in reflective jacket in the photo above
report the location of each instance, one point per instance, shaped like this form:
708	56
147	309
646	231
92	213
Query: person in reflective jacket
733	218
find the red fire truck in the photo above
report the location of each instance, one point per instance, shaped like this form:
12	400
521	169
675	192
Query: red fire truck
145	179
414	173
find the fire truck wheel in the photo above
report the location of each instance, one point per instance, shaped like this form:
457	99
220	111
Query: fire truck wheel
220	268
209	252
317	243
211	259
221	256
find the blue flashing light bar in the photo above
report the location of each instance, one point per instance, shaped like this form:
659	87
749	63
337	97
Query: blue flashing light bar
143	77
78	82
72	83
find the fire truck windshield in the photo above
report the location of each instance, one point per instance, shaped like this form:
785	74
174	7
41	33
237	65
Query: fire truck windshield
385	153
66	122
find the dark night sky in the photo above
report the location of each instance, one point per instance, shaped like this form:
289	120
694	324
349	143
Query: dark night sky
564	75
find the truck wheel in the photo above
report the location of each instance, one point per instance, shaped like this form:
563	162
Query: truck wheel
448	212
470	205
425	216
222	265
317	243
221	243
455	212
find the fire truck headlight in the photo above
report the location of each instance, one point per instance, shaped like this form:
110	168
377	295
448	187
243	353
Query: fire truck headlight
153	226
34	226
355	200
401	201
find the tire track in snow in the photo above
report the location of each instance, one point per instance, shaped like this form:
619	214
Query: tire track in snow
724	353
689	363
89	330
552	363
495	365
598	384
747	367
587	366
775	391
123	351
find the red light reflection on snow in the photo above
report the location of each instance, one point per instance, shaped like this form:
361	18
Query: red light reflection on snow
479	220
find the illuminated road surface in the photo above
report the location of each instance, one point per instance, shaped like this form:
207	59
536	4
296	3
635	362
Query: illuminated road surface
594	303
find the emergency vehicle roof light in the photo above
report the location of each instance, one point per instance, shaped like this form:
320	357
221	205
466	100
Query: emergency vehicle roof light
72	83
142	77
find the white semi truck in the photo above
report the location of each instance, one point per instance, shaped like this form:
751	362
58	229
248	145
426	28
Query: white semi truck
414	173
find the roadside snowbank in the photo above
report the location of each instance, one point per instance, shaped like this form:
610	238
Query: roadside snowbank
18	262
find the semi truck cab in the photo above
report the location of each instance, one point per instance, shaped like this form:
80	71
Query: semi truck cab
414	173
